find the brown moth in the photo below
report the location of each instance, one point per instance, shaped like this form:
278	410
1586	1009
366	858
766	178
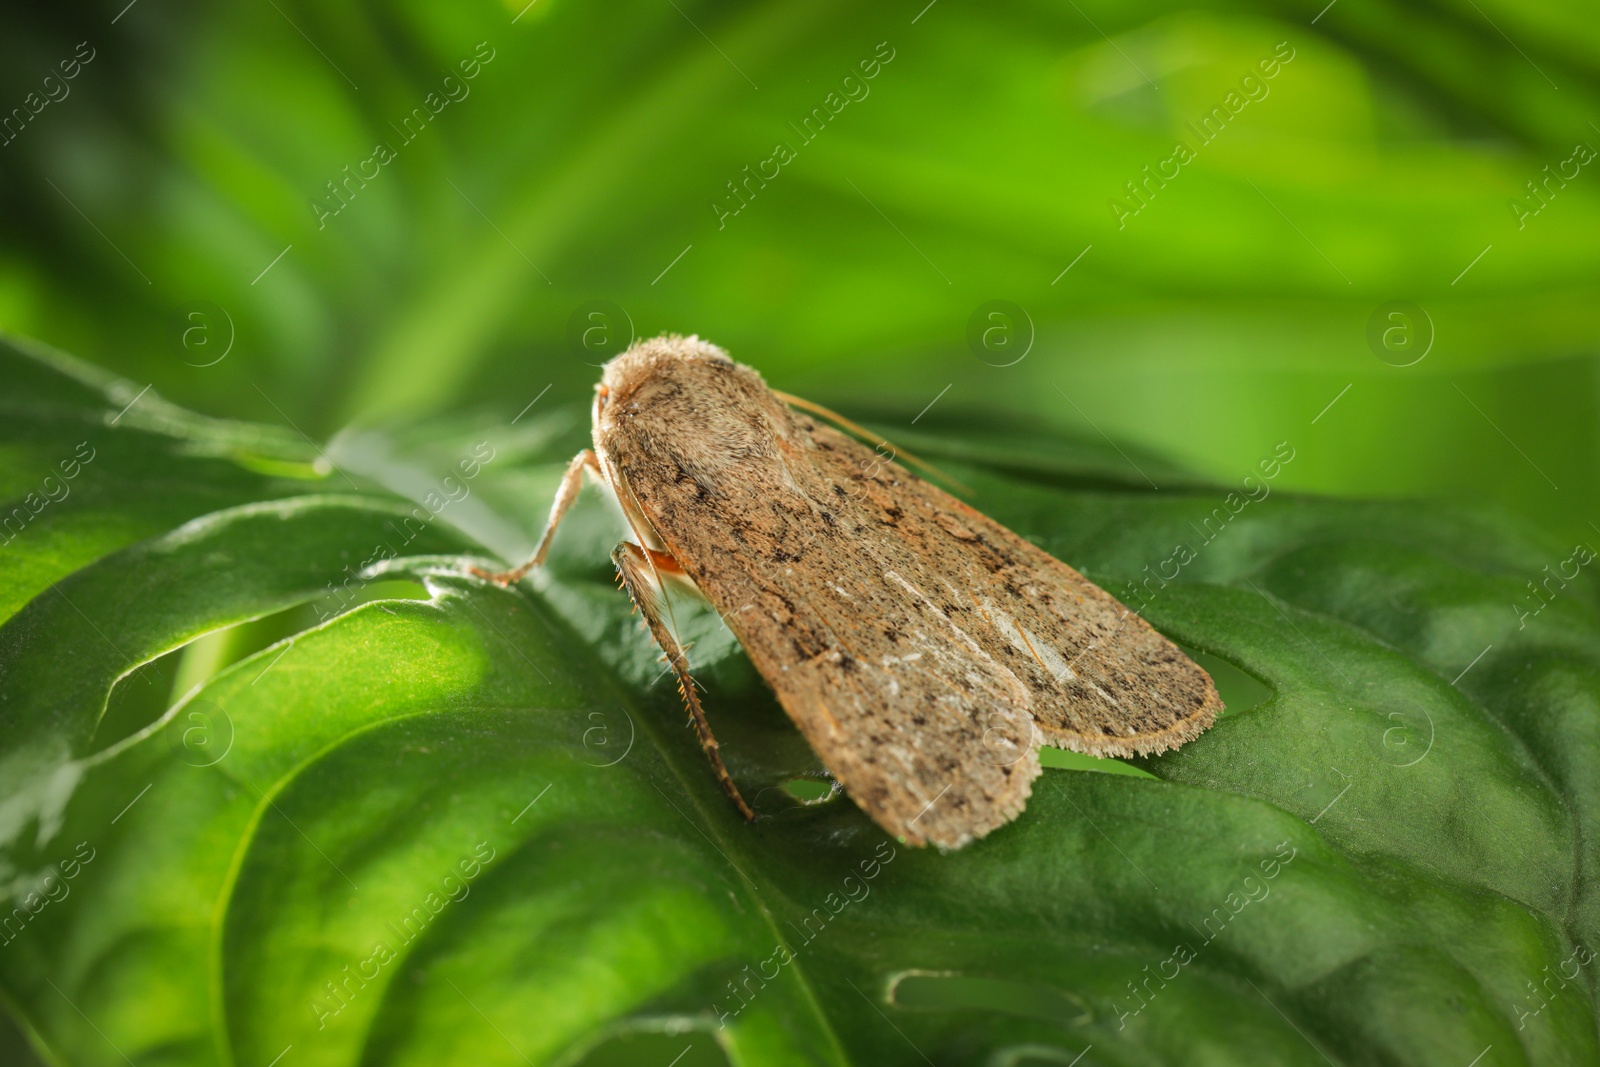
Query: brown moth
924	650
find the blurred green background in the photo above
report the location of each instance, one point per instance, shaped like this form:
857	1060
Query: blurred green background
159	216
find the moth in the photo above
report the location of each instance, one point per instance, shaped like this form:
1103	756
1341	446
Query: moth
925	651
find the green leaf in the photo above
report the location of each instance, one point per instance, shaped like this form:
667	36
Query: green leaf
468	824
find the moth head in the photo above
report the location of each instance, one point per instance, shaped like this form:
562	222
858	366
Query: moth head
652	370
683	397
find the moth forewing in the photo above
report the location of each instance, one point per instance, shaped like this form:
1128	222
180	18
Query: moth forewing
924	650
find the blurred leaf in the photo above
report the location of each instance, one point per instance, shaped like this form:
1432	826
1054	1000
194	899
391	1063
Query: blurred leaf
597	156
471	828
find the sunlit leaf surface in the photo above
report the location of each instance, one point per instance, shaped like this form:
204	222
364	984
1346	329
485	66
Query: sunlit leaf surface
278	779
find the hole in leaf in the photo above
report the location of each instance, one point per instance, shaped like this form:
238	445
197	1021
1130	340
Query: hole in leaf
811	790
916	991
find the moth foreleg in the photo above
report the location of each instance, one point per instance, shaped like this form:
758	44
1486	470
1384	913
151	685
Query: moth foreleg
566	493
634	564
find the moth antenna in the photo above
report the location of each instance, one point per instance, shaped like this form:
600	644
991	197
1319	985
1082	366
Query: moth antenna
864	435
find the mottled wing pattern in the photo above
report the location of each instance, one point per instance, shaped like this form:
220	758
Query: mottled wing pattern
1101	679
915	642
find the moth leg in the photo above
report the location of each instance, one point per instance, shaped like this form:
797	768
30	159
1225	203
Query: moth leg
634	566
571	483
